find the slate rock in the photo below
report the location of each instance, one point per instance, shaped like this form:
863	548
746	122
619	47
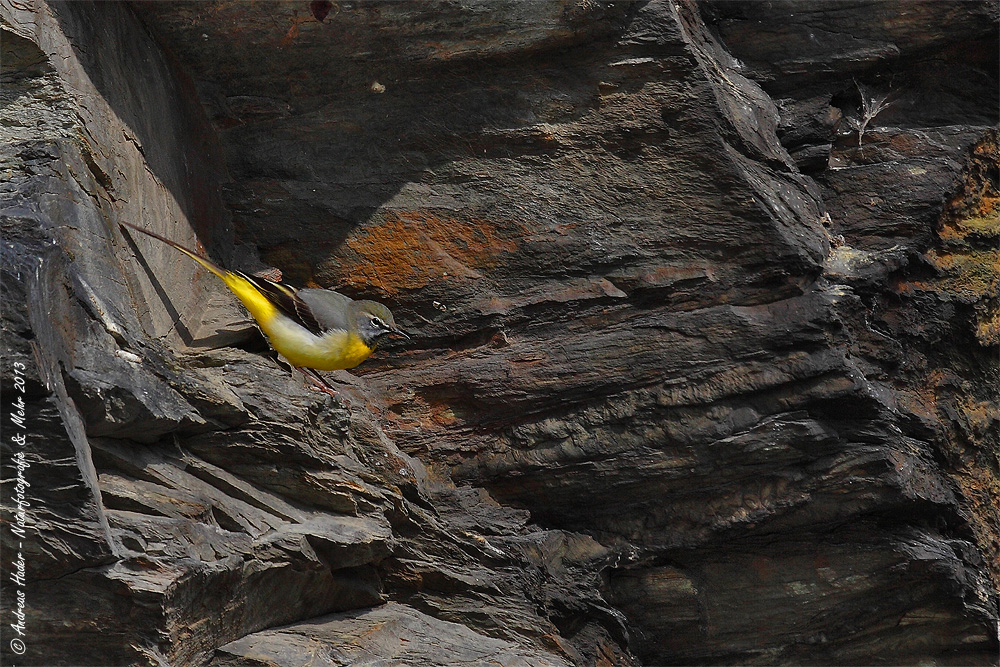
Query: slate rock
704	336
392	633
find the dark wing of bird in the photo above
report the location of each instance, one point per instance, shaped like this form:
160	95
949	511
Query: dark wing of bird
332	310
287	300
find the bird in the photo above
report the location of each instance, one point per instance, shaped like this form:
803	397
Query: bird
314	329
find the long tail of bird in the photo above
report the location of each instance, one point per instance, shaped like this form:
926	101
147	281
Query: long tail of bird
251	291
208	264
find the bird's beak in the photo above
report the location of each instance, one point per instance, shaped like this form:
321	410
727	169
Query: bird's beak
400	332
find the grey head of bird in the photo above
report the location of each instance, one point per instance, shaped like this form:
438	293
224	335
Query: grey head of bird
371	320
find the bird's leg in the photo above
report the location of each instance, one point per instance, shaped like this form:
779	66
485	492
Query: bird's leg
318	382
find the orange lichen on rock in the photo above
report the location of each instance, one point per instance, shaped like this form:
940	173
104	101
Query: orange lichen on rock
409	250
966	262
970	229
968	276
974	211
967	258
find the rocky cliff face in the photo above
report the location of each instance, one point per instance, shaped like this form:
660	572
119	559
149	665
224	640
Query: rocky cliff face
705	304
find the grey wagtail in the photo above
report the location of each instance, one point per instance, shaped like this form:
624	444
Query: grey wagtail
314	329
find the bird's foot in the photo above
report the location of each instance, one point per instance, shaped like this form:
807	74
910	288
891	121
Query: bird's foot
318	383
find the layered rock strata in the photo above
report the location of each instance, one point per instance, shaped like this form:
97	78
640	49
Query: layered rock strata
704	301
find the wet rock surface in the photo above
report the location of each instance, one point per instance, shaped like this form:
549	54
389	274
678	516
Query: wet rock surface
704	301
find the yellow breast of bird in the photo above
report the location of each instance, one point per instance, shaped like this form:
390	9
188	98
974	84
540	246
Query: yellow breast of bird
346	350
334	350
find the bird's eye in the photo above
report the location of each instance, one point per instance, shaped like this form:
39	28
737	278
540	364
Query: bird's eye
377	323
